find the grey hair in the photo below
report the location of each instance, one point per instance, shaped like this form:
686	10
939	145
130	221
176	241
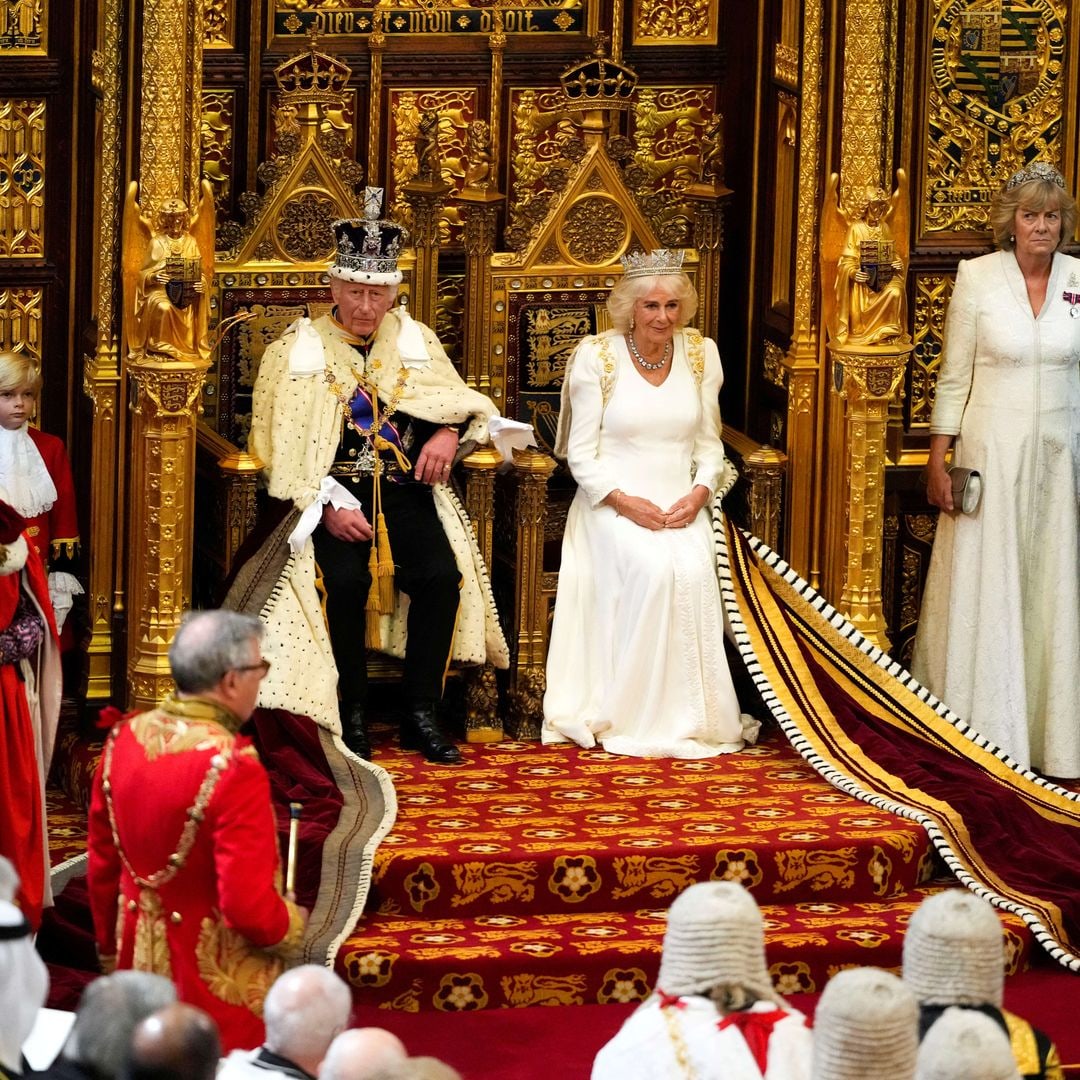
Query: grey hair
109	1011
305	1008
208	644
629	290
1033	195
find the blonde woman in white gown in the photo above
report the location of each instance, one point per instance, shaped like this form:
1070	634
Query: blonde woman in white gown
999	630
636	660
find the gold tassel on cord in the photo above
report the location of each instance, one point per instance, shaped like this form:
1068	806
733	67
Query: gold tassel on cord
380	600
372	629
385	572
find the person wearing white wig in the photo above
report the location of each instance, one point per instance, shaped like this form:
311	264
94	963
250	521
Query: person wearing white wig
954	955
24	979
865	1028
714	1012
965	1045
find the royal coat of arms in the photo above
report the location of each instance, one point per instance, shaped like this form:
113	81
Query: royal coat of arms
995	101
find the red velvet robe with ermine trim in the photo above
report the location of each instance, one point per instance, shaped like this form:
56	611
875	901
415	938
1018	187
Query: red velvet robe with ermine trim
27	734
219	927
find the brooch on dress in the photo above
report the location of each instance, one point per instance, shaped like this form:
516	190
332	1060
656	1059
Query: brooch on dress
1072	297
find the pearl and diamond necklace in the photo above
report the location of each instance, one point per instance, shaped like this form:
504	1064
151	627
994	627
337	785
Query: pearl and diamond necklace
641	359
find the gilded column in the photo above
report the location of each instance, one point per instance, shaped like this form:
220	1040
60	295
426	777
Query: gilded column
803	361
481	212
868	378
425	198
376	46
163	461
165	335
482	723
708	201
527	678
102	371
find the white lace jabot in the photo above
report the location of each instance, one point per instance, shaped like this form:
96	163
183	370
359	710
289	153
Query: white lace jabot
30	488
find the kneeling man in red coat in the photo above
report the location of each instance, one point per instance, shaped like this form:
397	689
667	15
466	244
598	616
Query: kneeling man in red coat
185	875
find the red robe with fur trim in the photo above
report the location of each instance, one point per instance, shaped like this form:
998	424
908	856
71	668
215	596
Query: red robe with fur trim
27	735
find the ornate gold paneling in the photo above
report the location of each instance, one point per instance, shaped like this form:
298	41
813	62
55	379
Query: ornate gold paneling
773	363
220	24
669	22
217	125
22	178
455	108
786	64
995	97
865	136
24	27
668	125
932	292
20	320
170	99
785	164
540	133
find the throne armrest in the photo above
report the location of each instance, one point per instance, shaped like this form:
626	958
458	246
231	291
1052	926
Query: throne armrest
225	506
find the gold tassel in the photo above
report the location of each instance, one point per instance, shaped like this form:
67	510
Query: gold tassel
385	572
372	629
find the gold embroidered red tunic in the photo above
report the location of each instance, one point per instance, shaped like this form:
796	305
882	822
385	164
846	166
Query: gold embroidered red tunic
185	872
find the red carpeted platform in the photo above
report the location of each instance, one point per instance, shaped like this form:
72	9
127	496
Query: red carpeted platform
537	875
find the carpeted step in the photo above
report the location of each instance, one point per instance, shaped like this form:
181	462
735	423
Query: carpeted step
67	827
512	960
560	830
74	762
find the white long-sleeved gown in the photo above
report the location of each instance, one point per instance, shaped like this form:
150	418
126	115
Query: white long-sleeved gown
999	630
636	659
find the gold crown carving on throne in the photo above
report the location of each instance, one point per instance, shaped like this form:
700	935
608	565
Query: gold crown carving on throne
599	82
312	77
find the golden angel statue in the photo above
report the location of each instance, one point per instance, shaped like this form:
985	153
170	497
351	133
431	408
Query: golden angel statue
168	267
863	262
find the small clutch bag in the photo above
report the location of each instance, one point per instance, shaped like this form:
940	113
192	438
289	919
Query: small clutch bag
966	488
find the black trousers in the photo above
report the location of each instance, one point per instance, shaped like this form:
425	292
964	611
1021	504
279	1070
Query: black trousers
424	569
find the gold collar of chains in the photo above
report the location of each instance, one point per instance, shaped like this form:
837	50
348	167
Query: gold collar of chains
219	762
378	416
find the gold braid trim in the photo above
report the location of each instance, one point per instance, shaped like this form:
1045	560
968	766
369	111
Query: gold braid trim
670	1014
1024	1046
151	944
695	353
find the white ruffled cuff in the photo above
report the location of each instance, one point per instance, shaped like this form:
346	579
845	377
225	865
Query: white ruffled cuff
63	588
330	491
510	435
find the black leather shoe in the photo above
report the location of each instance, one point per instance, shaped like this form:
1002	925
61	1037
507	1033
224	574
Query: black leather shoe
354	731
420	731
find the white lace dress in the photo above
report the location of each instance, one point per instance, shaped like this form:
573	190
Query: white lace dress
999	632
636	660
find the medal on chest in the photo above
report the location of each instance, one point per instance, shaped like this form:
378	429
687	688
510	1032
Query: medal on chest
1071	296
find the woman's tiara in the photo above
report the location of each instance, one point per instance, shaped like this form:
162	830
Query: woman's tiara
1037	170
658	261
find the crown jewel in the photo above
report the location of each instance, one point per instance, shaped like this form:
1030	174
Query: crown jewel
1037	170
657	261
368	247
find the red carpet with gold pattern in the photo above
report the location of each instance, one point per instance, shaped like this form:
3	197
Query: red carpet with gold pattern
541	875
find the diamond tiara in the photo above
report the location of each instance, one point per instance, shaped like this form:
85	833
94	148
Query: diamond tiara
1037	170
658	261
